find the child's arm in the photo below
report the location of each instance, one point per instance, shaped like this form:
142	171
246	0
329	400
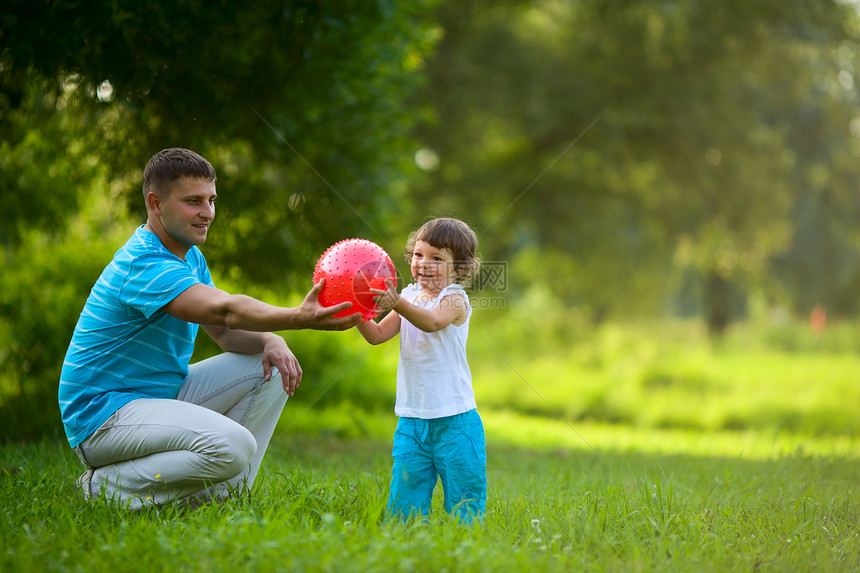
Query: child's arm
450	310
382	331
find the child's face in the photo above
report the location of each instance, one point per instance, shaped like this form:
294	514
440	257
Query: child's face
432	268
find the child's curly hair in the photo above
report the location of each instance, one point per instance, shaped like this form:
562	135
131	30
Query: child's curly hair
452	234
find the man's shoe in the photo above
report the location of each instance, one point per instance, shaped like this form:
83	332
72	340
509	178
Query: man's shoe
84	483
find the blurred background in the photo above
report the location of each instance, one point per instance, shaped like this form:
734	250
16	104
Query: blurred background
665	192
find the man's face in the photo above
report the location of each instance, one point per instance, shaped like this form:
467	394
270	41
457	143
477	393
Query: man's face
188	210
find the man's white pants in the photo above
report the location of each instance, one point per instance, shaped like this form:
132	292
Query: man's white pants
205	444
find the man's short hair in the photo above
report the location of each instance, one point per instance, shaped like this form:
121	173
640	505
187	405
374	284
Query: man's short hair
169	165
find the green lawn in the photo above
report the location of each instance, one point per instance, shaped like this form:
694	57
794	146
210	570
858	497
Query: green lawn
574	497
618	449
671	376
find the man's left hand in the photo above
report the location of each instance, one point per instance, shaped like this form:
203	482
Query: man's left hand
277	354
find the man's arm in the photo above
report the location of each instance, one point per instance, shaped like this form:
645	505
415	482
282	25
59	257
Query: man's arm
239	323
208	306
275	352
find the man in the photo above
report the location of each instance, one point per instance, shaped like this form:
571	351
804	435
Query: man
150	428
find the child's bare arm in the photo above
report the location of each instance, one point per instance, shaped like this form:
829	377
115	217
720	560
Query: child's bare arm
382	331
450	310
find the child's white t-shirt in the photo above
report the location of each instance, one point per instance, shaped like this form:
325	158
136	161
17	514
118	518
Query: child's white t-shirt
433	376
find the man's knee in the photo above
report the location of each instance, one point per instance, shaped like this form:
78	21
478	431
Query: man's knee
239	448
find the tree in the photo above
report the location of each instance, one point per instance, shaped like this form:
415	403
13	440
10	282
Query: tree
639	138
298	105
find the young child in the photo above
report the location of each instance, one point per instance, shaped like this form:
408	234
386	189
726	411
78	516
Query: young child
439	434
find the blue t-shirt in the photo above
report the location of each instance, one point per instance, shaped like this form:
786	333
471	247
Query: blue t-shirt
124	346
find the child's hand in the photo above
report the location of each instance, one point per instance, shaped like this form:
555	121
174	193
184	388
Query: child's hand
386	299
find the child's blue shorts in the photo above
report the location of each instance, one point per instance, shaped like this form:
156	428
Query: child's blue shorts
452	449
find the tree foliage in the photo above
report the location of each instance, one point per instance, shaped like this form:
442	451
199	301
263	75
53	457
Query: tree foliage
644	138
298	104
626	156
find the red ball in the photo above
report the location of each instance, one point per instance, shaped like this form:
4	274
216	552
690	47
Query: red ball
350	269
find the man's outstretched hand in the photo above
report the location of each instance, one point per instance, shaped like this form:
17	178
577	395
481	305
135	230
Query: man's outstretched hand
315	316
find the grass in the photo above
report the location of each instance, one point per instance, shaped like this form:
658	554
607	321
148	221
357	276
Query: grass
643	500
616	449
672	376
666	376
